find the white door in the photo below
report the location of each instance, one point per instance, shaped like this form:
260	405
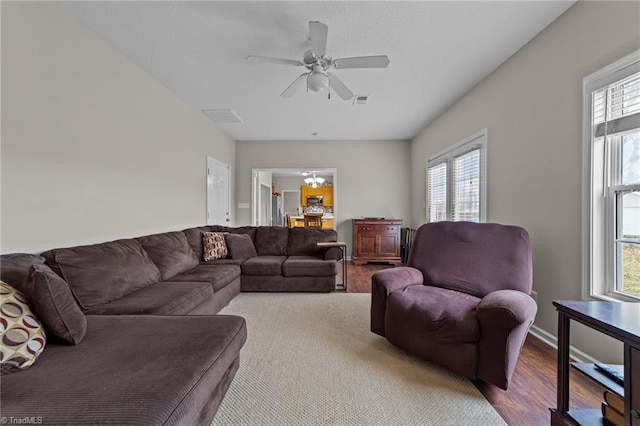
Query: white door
217	192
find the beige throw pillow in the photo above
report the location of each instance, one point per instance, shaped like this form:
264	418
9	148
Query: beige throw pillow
22	336
214	246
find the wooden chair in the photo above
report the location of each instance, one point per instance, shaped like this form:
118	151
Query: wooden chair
313	220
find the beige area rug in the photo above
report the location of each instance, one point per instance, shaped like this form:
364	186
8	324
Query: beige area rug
310	359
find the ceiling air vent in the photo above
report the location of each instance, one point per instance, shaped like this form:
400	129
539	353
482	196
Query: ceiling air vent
222	116
360	99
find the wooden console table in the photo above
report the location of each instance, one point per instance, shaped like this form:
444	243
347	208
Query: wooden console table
618	320
376	240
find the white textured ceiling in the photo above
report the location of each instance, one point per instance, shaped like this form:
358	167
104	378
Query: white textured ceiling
438	51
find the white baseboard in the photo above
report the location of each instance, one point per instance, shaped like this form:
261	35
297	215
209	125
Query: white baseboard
552	341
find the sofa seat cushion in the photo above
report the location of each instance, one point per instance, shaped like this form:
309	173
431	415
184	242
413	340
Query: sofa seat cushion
436	324
100	273
130	369
170	251
308	266
263	265
164	298
219	276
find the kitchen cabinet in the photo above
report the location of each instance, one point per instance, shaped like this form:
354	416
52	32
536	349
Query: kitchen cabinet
376	240
327	196
325	191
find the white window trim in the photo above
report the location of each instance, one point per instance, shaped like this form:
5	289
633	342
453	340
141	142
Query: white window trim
479	138
594	285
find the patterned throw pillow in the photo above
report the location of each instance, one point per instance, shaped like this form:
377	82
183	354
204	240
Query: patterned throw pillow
22	336
213	246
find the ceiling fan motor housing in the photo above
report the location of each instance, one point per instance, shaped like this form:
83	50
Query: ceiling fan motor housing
312	61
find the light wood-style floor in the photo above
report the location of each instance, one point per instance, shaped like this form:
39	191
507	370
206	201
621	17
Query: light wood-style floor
533	388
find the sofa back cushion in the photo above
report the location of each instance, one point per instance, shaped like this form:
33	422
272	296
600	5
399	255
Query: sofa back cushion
51	299
104	272
171	253
15	267
271	240
249	230
240	246
302	241
194	238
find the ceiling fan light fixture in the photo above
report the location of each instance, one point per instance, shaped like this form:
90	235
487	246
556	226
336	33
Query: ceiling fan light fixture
314	181
317	81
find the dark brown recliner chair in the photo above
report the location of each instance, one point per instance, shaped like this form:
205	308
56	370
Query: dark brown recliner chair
463	300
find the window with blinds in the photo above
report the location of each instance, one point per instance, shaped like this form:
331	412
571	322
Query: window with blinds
437	192
612	145
456	182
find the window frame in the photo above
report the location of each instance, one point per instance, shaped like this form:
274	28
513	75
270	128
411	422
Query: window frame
600	266
478	140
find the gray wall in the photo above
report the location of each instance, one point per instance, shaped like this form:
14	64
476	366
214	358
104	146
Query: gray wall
372	177
93	148
532	106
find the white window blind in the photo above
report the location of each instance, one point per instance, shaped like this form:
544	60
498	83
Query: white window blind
466	186
616	108
437	192
456	182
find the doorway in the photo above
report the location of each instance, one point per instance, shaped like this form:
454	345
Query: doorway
289	181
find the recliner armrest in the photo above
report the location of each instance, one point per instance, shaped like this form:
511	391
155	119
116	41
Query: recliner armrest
504	317
385	282
512	306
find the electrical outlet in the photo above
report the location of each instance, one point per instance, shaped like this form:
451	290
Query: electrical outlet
534	296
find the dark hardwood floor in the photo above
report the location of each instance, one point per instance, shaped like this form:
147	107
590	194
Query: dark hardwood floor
533	388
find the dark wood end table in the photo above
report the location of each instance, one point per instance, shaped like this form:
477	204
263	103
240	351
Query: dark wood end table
618	320
343	246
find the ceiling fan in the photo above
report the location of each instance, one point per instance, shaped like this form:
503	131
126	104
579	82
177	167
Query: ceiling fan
319	66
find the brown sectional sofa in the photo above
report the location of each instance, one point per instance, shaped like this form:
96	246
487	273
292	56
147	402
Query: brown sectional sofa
132	335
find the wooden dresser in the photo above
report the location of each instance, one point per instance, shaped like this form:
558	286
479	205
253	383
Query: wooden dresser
376	240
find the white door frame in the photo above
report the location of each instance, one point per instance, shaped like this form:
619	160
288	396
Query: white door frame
255	185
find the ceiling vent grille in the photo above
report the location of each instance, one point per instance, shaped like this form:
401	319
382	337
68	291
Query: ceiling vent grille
360	99
222	116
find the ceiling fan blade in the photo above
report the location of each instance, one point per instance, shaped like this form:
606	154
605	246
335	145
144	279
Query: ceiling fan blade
340	88
295	86
270	60
318	36
381	61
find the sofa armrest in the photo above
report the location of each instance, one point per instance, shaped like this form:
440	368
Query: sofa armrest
385	282
332	253
504	317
